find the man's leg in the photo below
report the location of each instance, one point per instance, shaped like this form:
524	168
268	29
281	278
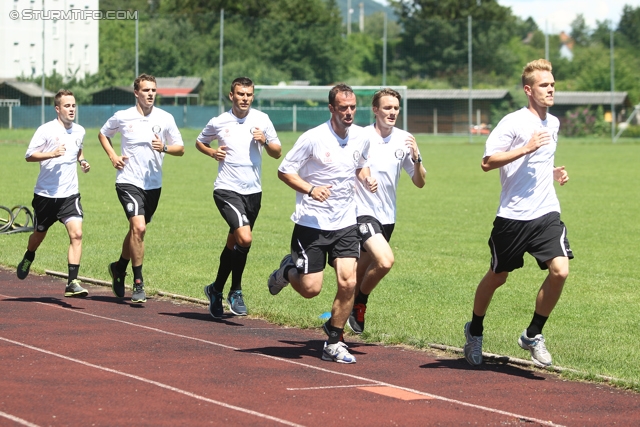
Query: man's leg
548	296
374	263
473	330
137	231
35	239
241	241
73	289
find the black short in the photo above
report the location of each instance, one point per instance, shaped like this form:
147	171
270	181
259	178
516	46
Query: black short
238	209
48	210
369	226
136	201
310	247
544	238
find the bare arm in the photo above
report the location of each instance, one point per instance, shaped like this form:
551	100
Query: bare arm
40	156
364	176
118	162
273	150
293	180
498	160
419	172
206	149
84	164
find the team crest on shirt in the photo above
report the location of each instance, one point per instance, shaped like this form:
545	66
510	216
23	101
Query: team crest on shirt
356	155
156	129
363	228
327	158
299	263
41	228
79	143
399	154
129	207
245	219
128	129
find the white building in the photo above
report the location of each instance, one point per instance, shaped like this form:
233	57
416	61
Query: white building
70	37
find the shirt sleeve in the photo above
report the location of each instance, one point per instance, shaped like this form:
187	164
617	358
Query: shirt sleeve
500	139
173	133
208	134
111	127
37	143
295	159
364	156
270	133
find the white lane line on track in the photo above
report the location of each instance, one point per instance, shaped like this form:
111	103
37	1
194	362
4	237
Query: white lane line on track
317	368
18	420
331	387
155	383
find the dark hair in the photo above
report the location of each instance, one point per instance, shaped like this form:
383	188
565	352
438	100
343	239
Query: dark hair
375	102
60	94
339	88
241	81
143	78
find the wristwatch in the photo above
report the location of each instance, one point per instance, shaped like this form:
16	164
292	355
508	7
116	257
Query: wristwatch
164	148
417	161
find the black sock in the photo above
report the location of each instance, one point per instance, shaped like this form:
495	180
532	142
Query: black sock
239	261
137	273
73	272
30	255
476	328
224	269
122	265
537	323
334	333
361	298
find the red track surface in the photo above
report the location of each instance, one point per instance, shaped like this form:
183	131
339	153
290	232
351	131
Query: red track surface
105	362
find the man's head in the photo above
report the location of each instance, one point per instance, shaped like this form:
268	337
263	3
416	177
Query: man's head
342	105
145	89
386	107
538	83
65	104
241	96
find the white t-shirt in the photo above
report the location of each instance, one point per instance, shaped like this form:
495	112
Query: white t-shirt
58	177
387	157
241	169
527	183
143	168
321	157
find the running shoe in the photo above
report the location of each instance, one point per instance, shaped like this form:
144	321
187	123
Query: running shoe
23	268
236	303
276	280
138	296
117	280
536	346
215	301
473	347
74	289
356	319
338	353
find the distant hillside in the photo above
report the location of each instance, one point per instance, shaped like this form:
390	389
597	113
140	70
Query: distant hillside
370	6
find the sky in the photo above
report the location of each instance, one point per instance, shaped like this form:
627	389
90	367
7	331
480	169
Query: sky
557	15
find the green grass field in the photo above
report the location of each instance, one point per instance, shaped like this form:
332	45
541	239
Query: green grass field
439	243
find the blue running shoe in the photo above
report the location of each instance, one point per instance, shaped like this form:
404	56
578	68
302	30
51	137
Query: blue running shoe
236	303
338	353
215	301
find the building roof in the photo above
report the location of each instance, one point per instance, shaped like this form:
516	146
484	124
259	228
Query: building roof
591	98
441	94
28	88
176	86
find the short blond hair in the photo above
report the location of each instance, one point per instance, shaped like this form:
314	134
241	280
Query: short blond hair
532	67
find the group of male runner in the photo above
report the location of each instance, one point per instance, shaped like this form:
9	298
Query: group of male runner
345	177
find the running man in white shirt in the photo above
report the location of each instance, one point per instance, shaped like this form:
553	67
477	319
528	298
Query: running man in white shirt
242	133
391	150
322	168
147	134
523	146
57	146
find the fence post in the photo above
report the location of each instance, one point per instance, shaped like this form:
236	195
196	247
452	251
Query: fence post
295	118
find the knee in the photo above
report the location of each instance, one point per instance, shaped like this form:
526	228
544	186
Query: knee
559	274
139	231
309	293
76	236
244	240
386	264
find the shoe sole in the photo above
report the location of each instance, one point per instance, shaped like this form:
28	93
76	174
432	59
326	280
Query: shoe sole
81	294
352	329
233	311
210	303
138	301
113	287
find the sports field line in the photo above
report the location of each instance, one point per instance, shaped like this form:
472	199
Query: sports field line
155	383
17	420
304	365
